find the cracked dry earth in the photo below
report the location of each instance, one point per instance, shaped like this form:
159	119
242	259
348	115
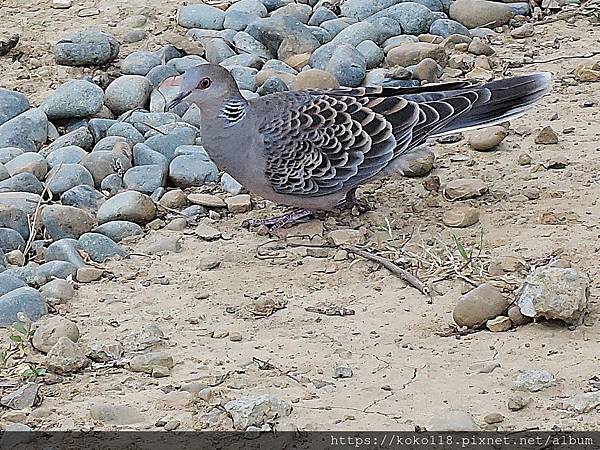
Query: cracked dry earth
405	372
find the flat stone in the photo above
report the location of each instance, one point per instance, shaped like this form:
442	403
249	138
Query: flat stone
533	380
65	250
487	138
239	203
58	289
346	237
499	324
149	362
89	274
465	188
256	410
461	217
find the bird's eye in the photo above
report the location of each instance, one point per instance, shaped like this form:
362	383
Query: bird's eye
205	83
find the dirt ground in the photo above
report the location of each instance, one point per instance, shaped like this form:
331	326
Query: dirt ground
404	372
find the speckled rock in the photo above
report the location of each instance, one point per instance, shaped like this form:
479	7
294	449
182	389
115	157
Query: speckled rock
66	221
86	48
119	229
75	98
128	92
26	300
100	247
131	206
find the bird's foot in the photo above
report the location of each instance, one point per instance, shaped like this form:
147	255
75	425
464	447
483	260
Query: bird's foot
275	223
357	205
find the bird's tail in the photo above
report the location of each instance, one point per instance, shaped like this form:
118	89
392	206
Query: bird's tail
497	102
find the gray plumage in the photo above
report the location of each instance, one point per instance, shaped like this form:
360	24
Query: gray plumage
311	148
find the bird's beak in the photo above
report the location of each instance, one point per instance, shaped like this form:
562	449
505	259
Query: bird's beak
172	82
177	100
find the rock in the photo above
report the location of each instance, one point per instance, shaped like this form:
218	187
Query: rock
139	63
315	79
127	131
524	31
533	380
131	206
239	203
66	357
499	324
343	372
413	17
128	92
134	36
348	66
174	199
58	269
478	306
346	237
479	13
169	244
101	164
81	137
58	289
89	274
21	300
464	188
200	16
145	179
448	27
207	232
15	258
373	54
30	274
83	197
70	154
52	328
493	418
217	50
27	131
356	33
478	47
412	53
547	136
285	33
12	104
75	98
514	313
8	153
105	352
86	48
272	85
256	410
100	247
64	177
22	182
29	162
584	402
113	414
150	362
192	170
452	420
461	217
11	240
517	403
555	293
179	138
66	221
244	43
9	283
65	250
208	200
23	397
230	185
488	138
119	229
427	70
158	74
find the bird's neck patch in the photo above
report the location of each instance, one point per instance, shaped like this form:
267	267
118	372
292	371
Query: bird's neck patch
233	111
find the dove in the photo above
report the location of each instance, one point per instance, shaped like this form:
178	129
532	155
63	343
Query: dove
311	149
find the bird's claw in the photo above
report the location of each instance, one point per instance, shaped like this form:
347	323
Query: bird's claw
275	223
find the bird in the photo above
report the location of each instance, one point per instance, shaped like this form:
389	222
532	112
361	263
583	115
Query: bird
311	149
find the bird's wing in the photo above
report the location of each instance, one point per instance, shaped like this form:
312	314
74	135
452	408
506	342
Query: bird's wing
323	144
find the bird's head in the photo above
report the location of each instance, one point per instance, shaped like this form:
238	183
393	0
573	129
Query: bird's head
205	85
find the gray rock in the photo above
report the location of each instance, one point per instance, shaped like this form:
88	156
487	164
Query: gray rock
272	32
237	20
245	43
23	397
555	293
23	182
58	269
30	162
127	131
71	154
112	184
128	92
4	175
113	414
348	65
373	54
145	179
584	402
202	36
119	229
75	98
99	127
320	15
134	36
85	48
272	85
66	357
186	62
21	300
335	26
254	7
256	410
100	247
168	52
24	201
356	33
396	41
452	420
71	124
158	74
83	197
533	380
387	28
66	221
321	57
321	35
272	5
200	16
65	250
50	329
103	163
82	137
151	362
166	144
343	372
297	10
244	60
66	176
479	13
108	143
27	131
8	153
29	274
413	17
131	206
218	50
15	219
144	156
480	305
279	66
11	240
9	283
139	63
12	104
448	27
245	77
192	170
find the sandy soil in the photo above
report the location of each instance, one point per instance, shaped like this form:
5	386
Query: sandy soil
405	373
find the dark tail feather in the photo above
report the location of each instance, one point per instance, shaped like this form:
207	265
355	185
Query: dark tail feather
499	101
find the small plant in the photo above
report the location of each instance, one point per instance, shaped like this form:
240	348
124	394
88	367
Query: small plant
33	373
19	339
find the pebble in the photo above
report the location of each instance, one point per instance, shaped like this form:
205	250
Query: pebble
59	289
452	420
86	48
23	397
488	138
30	274
100	247
27	131
411	53
75	98
139	63
15	258
70	154
8	153
23	299
516	317
479	305
158	74
66	221
83	197
102	163
29	162
145	179
128	92
64	177
114	414
208	200
9	283
547	136
50	329
131	206
315	79
66	356
235	336
200	16
244	43
239	203
57	269
256	410
427	70
555	293
11	240
499	324
373	54
533	380
208	263
134	36
89	274
493	418
178	139
150	362
584	402
174	199
105	351
478	47
217	50
480	13
118	230
207	232
22	182
126	131
271	86
230	184
448	27
461	217
192	170
177	224
524	31
464	188
517	403
82	137
348	66
343	372
346	237
169	244
65	250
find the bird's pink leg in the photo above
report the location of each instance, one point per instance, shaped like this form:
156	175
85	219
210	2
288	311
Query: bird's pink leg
274	223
